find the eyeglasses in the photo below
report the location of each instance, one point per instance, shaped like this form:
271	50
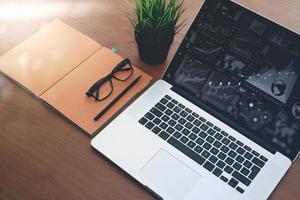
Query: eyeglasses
104	87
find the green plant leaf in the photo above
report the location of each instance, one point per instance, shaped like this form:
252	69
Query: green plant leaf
158	20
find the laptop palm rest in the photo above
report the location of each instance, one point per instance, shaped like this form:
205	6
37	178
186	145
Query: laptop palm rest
170	175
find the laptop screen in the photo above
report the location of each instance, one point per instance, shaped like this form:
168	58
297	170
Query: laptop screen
246	69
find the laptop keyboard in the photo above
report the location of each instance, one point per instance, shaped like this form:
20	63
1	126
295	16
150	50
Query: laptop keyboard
216	150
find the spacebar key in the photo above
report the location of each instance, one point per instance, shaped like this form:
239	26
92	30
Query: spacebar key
187	151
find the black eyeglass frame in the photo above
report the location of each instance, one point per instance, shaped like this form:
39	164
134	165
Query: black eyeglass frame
94	90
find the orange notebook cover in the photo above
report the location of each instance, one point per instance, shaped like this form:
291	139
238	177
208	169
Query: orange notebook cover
59	64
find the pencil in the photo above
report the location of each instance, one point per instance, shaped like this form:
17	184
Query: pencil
117	98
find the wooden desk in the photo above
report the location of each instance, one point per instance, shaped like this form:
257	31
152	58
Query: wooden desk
42	156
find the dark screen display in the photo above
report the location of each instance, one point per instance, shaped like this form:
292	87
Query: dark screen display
245	67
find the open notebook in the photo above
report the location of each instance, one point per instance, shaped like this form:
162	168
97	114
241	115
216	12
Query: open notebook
59	64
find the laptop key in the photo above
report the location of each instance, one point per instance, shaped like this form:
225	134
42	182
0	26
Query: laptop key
217	128
196	130
232	138
170	130
207	146
211	131
182	121
181	106
204	127
169	112
241	151
165	118
198	149
217	144
247	164
164	135
240	190
224	133
237	166
195	114
199	141
168	97
191	144
175	116
223	178
210	139
202	119
170	105
190	118
184	139
209	166
196	122
143	121
221	164
258	162
224	149
255	153
163	125
183	113
241	178
247	148
174	101
221	156
176	109
245	171
188	125
187	151
218	136
178	127
213	159
229	161
225	141
160	107
232	154
254	171
149	116
248	155
172	122
209	124
202	134
164	101
217	172
205	154
192	136
228	169
156	112
214	151
233	182
149	125
240	159
188	110
263	158
186	131
157	121
156	130
177	135
240	143
233	146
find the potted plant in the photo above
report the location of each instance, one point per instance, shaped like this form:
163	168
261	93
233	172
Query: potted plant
155	28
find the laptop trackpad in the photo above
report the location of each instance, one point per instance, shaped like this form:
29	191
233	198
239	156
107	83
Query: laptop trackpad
171	175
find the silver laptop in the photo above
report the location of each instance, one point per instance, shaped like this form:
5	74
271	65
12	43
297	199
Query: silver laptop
224	121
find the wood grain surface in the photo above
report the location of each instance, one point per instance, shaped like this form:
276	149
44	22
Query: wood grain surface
43	156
